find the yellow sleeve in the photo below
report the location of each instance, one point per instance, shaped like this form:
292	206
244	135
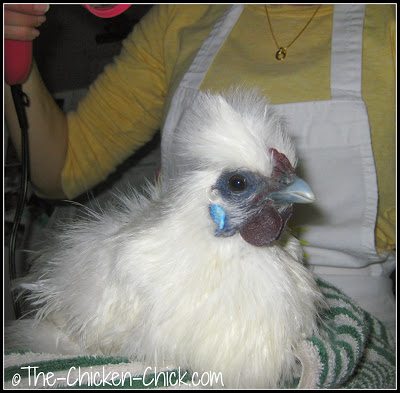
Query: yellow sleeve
379	94
122	110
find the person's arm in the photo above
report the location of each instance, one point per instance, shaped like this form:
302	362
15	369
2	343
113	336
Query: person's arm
122	110
47	123
47	135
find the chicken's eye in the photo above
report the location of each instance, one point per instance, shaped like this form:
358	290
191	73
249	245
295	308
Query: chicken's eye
237	183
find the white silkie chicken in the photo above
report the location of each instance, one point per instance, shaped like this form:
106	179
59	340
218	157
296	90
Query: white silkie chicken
200	273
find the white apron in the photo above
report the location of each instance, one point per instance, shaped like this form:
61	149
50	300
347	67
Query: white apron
333	144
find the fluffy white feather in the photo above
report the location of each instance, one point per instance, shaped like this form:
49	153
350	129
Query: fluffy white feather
149	278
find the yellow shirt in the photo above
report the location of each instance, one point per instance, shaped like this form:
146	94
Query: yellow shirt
127	104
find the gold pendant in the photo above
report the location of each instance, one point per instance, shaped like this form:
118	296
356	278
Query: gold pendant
280	54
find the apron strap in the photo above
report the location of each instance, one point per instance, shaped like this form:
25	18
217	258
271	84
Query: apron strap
346	60
210	47
190	84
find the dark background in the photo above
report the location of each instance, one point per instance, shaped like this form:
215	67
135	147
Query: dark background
74	45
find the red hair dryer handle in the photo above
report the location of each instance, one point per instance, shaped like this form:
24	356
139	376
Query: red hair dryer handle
17	61
18	54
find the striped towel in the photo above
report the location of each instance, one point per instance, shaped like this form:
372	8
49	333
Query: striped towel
351	350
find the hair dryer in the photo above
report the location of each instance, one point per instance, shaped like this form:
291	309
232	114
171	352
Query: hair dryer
17	66
18	54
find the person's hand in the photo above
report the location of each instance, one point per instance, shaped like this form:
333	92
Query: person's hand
21	20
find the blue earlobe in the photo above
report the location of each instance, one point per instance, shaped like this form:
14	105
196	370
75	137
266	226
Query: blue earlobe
218	215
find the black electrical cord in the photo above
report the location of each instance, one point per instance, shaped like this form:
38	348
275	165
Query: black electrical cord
21	101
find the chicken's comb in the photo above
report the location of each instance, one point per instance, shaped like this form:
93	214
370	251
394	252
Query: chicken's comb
281	164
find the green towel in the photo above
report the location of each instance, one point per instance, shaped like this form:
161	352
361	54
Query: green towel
351	350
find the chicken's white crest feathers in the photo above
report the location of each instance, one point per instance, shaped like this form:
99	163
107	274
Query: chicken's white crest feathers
231	130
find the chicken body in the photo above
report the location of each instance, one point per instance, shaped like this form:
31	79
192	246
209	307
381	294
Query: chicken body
184	276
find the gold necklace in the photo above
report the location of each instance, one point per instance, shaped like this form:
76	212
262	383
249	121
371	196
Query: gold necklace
281	52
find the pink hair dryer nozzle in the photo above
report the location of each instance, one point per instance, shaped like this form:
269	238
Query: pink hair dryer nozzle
107	10
18	54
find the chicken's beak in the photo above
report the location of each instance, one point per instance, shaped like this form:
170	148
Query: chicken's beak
298	191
